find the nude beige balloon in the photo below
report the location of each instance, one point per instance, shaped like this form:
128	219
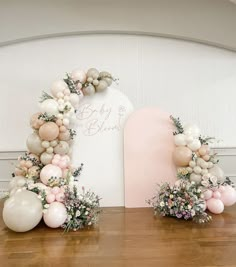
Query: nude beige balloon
22	211
49	131
182	156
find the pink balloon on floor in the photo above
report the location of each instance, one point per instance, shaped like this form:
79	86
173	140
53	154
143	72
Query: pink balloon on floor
228	196
215	206
55	215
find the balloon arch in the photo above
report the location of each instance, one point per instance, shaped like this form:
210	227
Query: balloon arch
44	183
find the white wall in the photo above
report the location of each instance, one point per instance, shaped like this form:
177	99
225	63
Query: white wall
193	81
206	21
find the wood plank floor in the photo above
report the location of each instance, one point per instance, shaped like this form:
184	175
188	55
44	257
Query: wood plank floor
126	237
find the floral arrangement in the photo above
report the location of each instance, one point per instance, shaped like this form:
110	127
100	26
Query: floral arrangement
201	183
45	183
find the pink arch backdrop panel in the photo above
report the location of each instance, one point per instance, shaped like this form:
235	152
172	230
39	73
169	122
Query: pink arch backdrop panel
148	148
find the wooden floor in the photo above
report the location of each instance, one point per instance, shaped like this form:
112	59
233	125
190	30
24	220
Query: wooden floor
126	237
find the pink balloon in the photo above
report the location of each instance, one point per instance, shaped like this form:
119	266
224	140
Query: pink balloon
221	189
60	197
216	195
215	206
57	156
207	194
62	164
228	196
49	171
55	215
50	198
55	162
55	190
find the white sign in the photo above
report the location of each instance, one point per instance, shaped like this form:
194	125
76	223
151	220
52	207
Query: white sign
99	144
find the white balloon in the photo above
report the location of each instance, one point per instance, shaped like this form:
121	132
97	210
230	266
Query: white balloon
180	140
210	165
79	75
195	178
50	106
204	171
192	164
89	90
218	172
34	144
74	99
192	130
17	181
22	211
58	87
55	215
189	139
197	169
195	145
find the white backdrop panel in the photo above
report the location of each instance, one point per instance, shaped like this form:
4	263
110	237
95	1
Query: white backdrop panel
99	144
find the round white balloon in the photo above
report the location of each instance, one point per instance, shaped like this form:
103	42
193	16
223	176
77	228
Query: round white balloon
50	106
58	87
22	211
195	145
180	140
192	130
218	172
55	215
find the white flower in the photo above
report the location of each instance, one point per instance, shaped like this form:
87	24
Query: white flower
162	204
77	213
189	207
193	212
171	196
46	206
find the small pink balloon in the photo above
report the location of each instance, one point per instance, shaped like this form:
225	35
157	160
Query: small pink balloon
221	189
55	190
207	194
55	162
62	164
62	190
50	198
215	206
217	194
60	197
228	196
57	156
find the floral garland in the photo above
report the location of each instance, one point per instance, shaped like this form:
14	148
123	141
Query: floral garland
201	182
46	168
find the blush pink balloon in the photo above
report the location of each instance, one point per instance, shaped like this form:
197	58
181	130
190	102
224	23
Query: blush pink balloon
55	162
49	171
55	215
60	197
216	195
207	194
50	198
62	164
221	189
215	206
55	190
228	196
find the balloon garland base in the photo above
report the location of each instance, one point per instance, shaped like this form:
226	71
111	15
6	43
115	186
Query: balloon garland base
45	183
201	183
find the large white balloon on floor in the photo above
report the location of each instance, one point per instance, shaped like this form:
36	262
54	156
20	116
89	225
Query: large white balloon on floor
23	211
